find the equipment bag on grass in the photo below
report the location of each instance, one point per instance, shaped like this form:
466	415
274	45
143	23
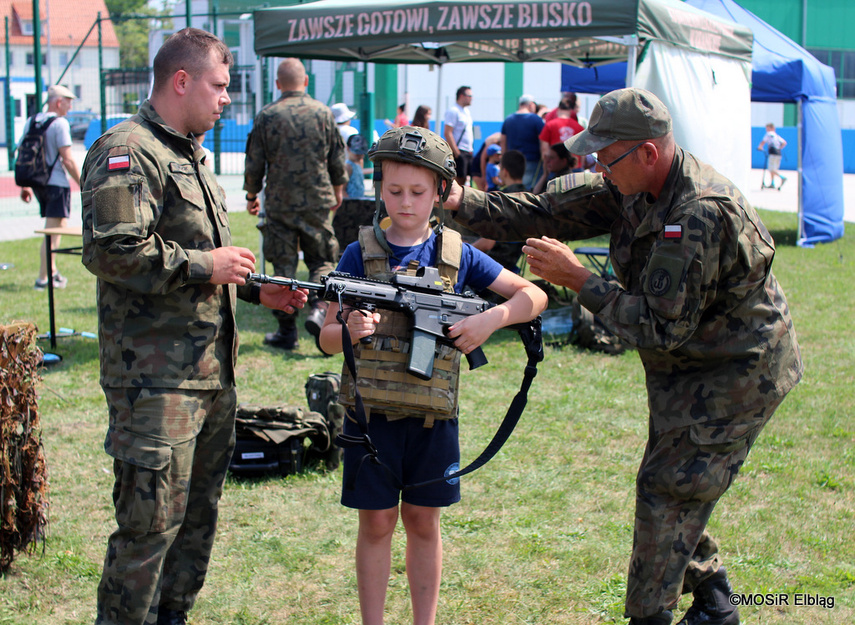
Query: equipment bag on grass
276	439
31	166
322	394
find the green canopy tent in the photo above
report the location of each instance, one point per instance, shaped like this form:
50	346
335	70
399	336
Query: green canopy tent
697	63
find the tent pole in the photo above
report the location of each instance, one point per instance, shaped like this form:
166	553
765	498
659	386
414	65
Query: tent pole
438	116
631	55
799	127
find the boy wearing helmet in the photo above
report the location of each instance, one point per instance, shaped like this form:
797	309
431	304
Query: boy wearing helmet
413	423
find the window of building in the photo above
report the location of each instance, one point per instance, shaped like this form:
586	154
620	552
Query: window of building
843	63
78	91
27	27
63	59
31	56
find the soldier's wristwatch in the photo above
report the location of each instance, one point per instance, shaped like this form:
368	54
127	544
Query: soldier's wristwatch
250	199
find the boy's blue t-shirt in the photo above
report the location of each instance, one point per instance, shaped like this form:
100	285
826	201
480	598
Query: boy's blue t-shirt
477	270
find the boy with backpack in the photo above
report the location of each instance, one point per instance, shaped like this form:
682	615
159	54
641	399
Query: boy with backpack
412	422
44	157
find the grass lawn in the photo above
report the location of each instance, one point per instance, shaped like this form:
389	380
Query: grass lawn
544	531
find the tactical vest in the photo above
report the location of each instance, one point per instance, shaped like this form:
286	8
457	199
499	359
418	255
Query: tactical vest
381	365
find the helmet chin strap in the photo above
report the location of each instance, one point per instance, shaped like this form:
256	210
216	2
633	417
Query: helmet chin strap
441	212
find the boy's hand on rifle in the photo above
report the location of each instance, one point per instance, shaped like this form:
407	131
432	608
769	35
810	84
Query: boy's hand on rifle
470	333
361	324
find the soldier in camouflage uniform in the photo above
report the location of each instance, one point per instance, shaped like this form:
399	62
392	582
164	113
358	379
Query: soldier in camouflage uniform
695	294
156	234
295	143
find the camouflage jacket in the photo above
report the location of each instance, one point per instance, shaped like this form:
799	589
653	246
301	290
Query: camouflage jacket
695	292
296	151
152	211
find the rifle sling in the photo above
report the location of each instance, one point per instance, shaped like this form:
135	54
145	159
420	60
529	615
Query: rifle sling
531	337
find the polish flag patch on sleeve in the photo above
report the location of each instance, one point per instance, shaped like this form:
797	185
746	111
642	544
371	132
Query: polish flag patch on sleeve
674	231
115	163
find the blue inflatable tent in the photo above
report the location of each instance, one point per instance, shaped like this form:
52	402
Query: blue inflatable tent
782	71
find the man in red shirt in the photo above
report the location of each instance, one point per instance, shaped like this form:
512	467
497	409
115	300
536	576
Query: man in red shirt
561	128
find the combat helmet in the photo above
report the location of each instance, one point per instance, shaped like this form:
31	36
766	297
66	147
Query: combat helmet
417	146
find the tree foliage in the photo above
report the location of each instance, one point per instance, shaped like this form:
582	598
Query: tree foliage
131	30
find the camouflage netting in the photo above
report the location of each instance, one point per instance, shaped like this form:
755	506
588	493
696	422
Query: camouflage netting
23	470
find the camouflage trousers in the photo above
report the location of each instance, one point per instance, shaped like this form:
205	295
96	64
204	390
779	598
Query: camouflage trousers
310	232
683	474
171	450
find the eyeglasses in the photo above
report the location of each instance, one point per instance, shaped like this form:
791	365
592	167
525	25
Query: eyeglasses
608	168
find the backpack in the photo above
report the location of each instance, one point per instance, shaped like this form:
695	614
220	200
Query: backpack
322	394
31	168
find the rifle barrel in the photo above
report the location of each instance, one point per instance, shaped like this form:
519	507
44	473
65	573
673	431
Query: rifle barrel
292	284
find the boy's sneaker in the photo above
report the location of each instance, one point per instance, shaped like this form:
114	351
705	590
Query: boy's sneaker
783	180
59	282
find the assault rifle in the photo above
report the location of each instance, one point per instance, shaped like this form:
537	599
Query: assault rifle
421	297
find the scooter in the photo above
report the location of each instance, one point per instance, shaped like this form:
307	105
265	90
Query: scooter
763	184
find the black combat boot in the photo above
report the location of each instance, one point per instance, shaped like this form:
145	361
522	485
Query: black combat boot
712	604
663	618
165	616
285	337
315	321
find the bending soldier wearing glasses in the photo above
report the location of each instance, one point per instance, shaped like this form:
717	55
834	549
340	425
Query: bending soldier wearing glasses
694	292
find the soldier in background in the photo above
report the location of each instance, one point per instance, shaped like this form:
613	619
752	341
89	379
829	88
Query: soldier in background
295	151
695	294
156	234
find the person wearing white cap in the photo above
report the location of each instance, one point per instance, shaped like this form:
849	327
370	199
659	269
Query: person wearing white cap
343	116
55	197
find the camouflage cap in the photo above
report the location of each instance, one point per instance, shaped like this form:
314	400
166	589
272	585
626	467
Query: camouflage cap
416	146
629	114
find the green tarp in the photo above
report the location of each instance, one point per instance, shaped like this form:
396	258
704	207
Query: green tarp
442	31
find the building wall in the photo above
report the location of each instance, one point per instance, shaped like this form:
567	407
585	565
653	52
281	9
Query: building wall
82	78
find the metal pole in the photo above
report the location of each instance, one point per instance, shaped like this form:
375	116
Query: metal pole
438	117
631	55
103	87
218	127
187	9
7	95
47	42
799	129
37	53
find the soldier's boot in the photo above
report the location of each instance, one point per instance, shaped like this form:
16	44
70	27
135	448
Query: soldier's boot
712	605
286	336
663	618
165	616
315	321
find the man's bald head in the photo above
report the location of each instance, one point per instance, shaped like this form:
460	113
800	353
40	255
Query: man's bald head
291	75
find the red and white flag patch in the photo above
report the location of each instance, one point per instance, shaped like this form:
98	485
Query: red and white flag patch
673	231
119	162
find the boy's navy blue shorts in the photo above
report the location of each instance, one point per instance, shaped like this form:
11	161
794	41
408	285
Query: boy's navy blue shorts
414	454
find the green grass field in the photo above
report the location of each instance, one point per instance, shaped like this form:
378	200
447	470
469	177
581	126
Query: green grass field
544	531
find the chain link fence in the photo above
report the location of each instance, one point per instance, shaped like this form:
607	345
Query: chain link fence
107	93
